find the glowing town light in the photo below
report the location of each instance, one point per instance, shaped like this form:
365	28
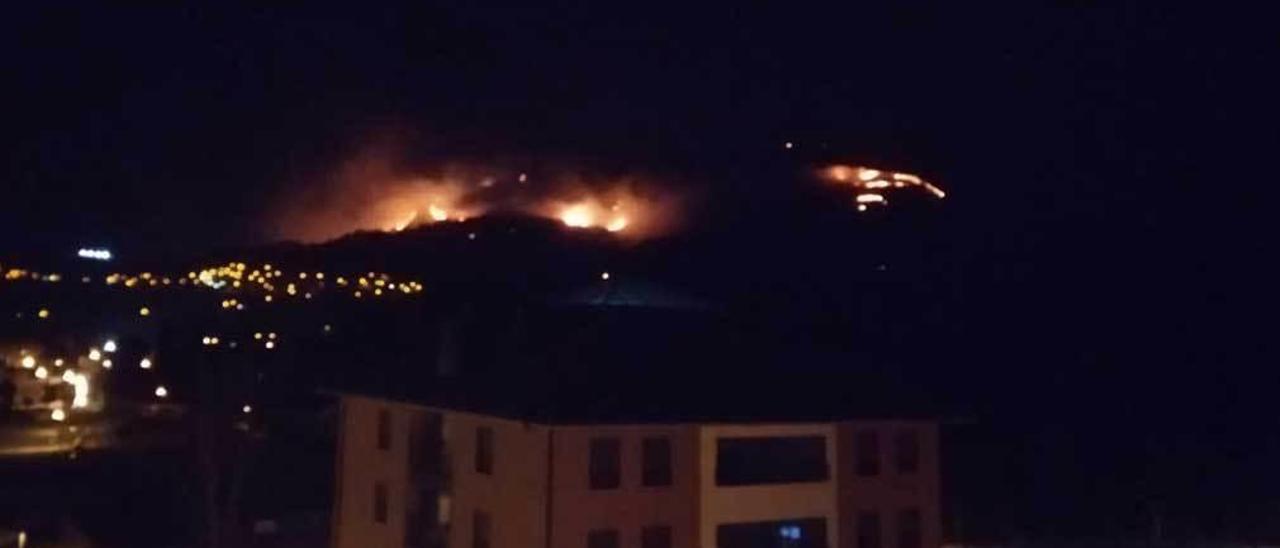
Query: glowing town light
206	341
68	375
43	313
257	336
145	363
28	362
109	346
604	275
328	328
437	213
58	415
95	254
58	362
95	354
106	364
269	345
42	373
246	409
144	311
81	384
162	392
866	174
862	207
788	145
267	298
870	199
271	335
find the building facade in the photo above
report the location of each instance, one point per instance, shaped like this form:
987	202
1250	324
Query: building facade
416	476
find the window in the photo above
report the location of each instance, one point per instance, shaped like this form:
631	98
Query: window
655	462
909	528
480	529
868	530
384	429
792	533
866	448
658	536
380	502
753	461
605	471
602	538
906	451
484	450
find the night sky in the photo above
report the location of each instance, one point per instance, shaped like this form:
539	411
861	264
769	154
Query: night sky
1105	163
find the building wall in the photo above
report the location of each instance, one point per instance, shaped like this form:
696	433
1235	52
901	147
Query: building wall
754	503
362	464
514	495
889	492
578	509
517	498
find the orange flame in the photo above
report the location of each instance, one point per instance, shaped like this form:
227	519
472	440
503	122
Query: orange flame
868	183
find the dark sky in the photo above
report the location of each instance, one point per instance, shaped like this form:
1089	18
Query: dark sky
159	127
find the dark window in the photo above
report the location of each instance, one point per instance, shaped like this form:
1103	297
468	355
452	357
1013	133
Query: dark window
906	451
868	530
658	536
480	530
605	471
909	528
380	502
796	533
866	448
384	429
602	538
484	450
750	461
656	462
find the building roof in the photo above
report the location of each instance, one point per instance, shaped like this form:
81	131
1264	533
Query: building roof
666	399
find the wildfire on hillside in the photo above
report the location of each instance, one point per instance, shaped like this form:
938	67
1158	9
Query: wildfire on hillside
370	195
874	185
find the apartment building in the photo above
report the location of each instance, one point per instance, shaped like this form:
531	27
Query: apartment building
427	473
